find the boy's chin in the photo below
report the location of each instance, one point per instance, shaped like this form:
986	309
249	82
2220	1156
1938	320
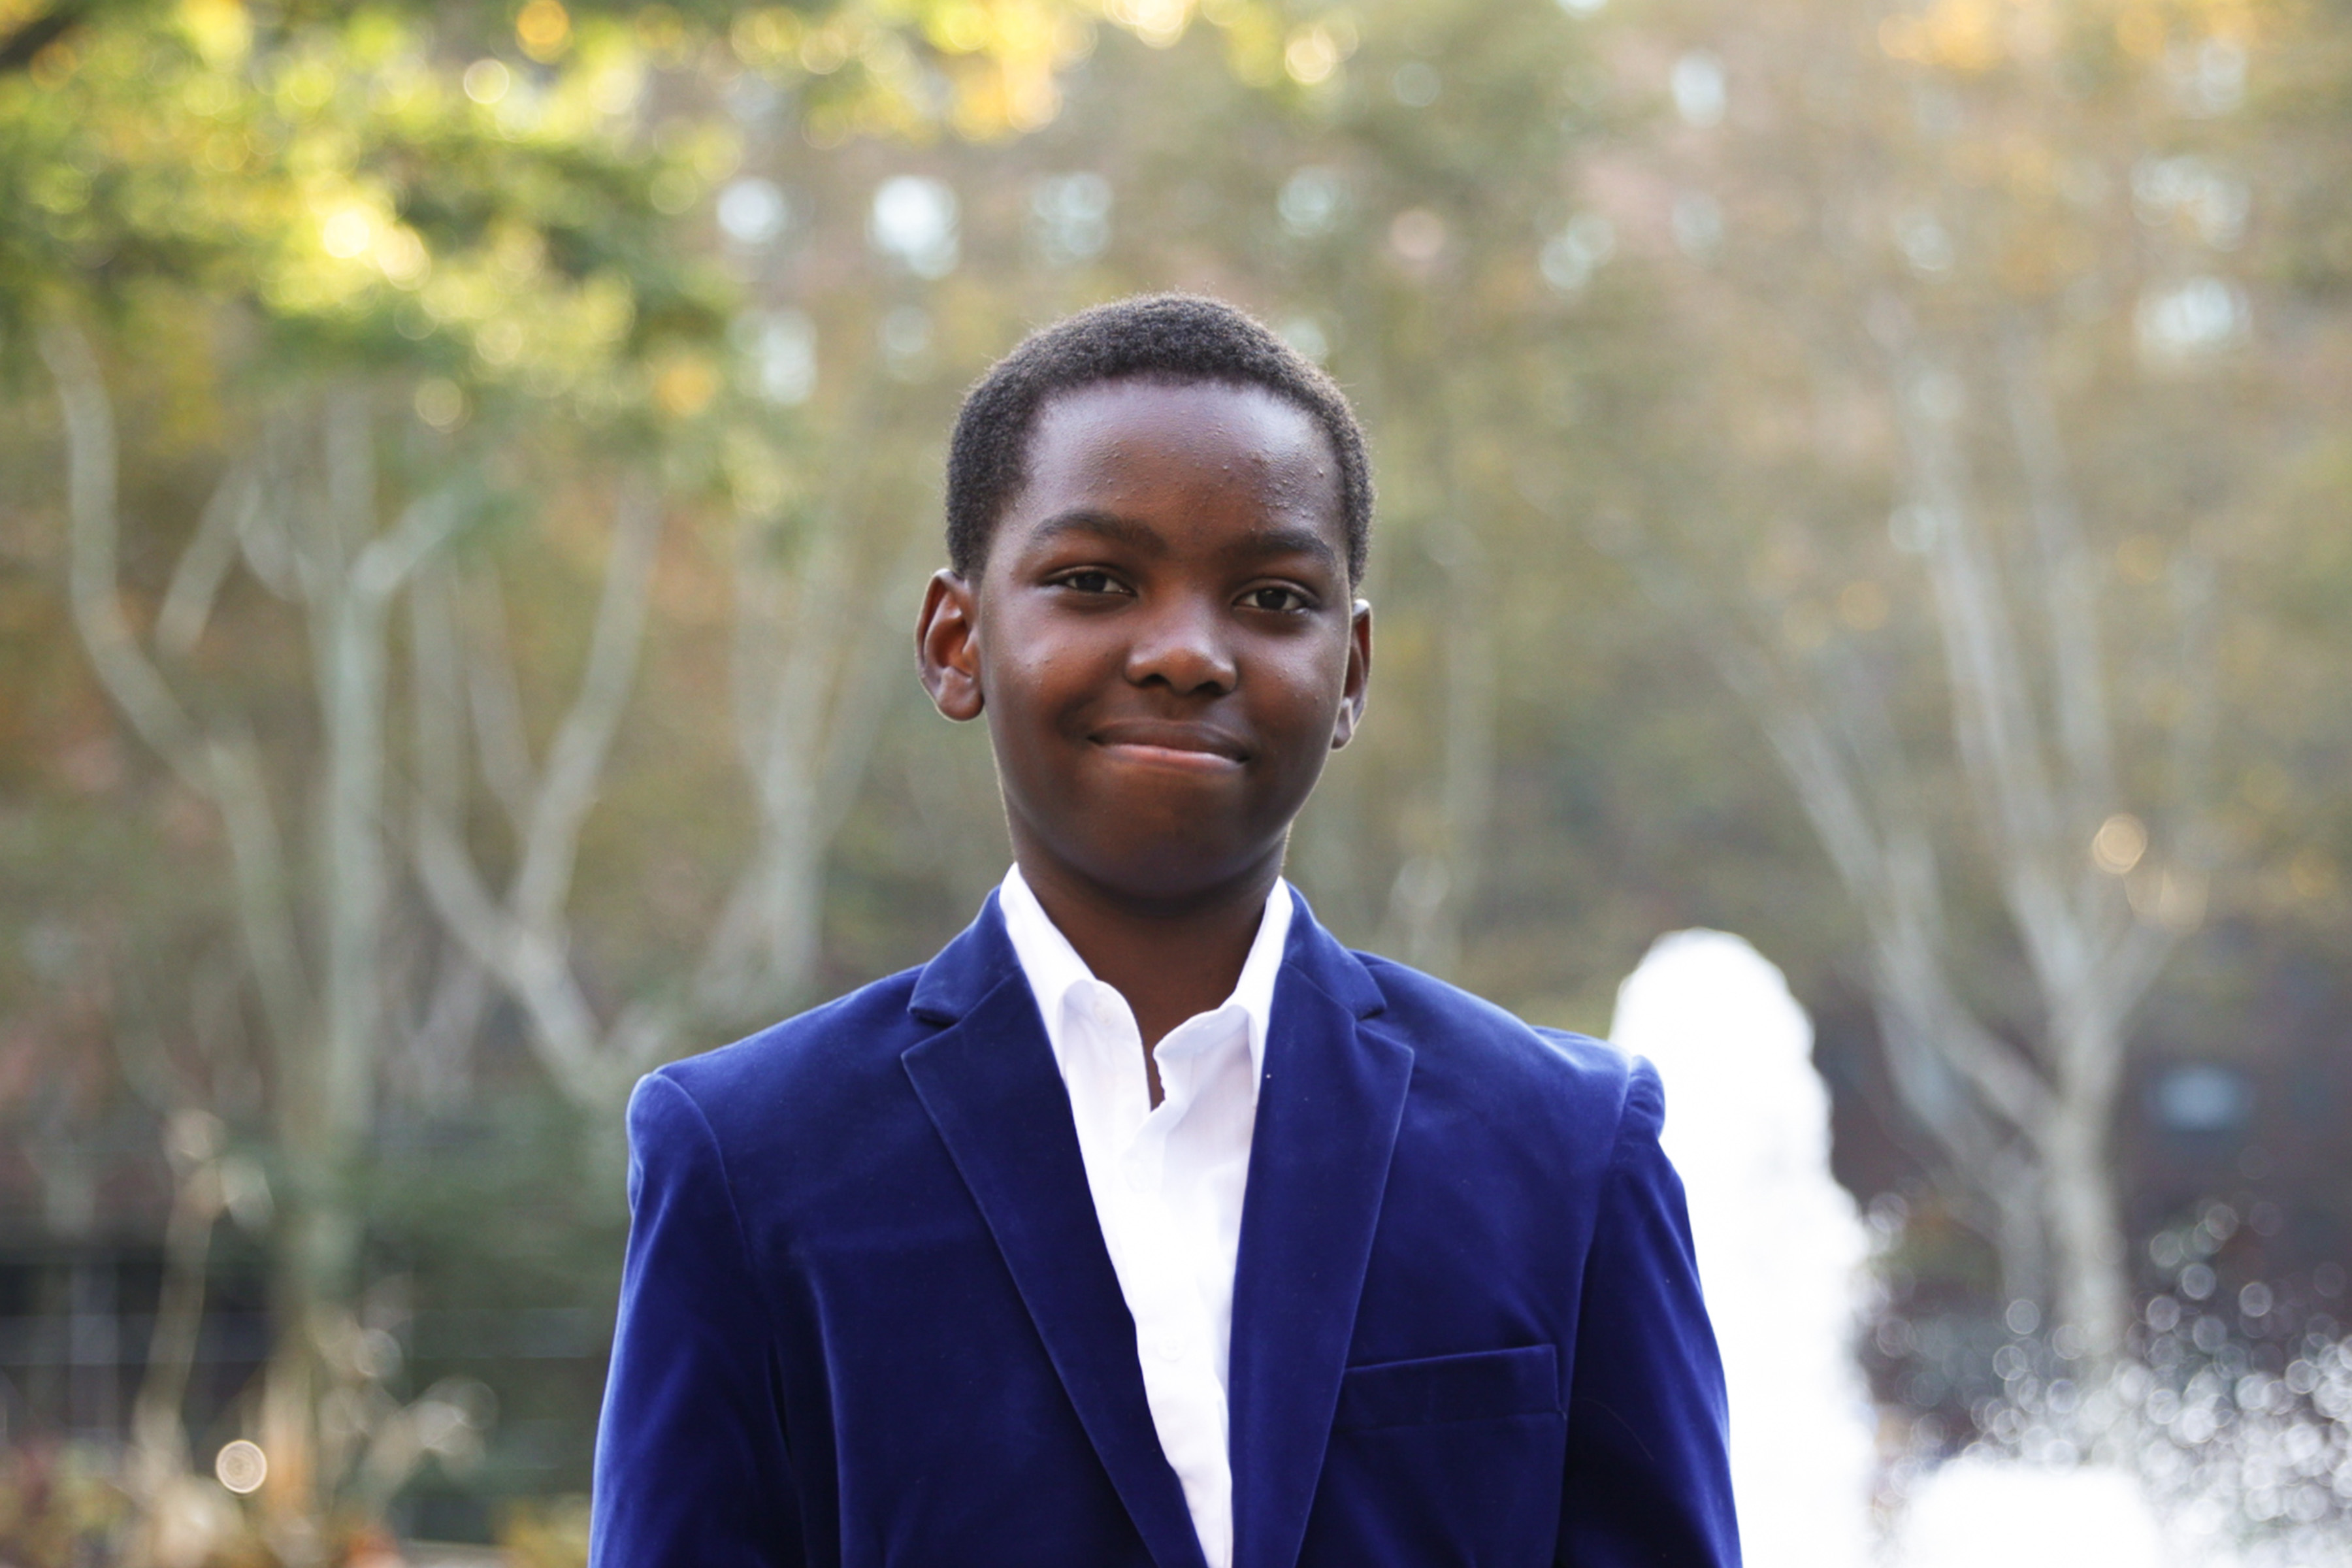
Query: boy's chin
1177	873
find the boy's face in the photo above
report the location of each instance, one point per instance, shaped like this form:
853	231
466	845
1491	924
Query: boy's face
1163	638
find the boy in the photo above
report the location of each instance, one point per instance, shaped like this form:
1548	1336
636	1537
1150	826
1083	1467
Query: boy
1146	1225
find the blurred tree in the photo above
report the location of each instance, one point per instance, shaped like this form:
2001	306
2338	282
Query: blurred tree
301	227
434	275
1980	256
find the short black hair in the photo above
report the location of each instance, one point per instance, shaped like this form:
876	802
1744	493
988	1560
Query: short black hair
1153	337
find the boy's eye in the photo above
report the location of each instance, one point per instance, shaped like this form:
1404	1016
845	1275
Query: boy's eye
1274	597
1090	582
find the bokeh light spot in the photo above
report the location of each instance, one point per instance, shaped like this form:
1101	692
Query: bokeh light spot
241	1467
2119	842
486	81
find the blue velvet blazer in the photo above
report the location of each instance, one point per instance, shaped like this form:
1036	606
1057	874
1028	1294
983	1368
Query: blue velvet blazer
867	1317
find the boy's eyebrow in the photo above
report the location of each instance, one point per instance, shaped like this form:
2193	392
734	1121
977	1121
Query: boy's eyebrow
1260	542
1255	545
1108	525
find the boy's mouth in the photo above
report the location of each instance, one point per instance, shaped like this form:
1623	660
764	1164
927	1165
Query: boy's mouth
1195	748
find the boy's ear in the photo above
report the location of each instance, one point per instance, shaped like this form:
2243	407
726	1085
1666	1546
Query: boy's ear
1357	688
947	645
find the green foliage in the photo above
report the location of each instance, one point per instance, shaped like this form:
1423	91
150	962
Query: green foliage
364	203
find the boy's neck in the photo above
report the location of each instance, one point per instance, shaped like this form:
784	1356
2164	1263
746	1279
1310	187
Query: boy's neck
1171	959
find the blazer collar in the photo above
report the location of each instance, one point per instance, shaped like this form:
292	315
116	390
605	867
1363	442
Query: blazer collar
990	1086
976	962
1329	1103
1328	1108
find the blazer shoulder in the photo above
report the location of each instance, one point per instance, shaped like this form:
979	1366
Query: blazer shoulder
807	1064
1455	1030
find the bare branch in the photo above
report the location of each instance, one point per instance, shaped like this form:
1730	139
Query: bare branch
2069	584
2190	764
807	711
223	769
532	965
159	1438
576	759
807	707
438	1042
129	678
265	913
522	940
500	741
265	532
1992	710
1889	873
391	559
349	585
206	564
435	693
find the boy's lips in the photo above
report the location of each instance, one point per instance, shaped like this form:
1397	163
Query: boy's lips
1193	747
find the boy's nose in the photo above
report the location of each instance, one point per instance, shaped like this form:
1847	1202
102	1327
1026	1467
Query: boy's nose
1183	648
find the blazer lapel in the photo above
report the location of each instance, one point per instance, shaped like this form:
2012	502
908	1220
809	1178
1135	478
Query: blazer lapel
989	1085
1327	1112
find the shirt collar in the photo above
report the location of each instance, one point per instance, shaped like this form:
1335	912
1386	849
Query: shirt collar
1053	966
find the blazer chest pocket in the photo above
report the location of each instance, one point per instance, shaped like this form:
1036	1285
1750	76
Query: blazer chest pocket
1479	1387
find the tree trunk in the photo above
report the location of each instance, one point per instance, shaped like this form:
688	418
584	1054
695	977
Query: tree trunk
2079	1192
326	1029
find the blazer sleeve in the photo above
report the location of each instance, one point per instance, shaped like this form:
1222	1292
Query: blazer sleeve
1649	1477
691	1465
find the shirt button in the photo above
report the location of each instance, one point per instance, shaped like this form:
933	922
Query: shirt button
1169	1348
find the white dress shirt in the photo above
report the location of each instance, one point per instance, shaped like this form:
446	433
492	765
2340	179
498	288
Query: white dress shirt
1167	1180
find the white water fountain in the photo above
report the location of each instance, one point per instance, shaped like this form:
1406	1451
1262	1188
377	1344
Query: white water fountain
1780	1252
1997	1514
1781	1248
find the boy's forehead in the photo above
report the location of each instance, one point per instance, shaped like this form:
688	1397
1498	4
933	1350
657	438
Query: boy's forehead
1135	437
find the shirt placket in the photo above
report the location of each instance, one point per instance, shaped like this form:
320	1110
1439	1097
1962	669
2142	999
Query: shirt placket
1185	1379
1159	1266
